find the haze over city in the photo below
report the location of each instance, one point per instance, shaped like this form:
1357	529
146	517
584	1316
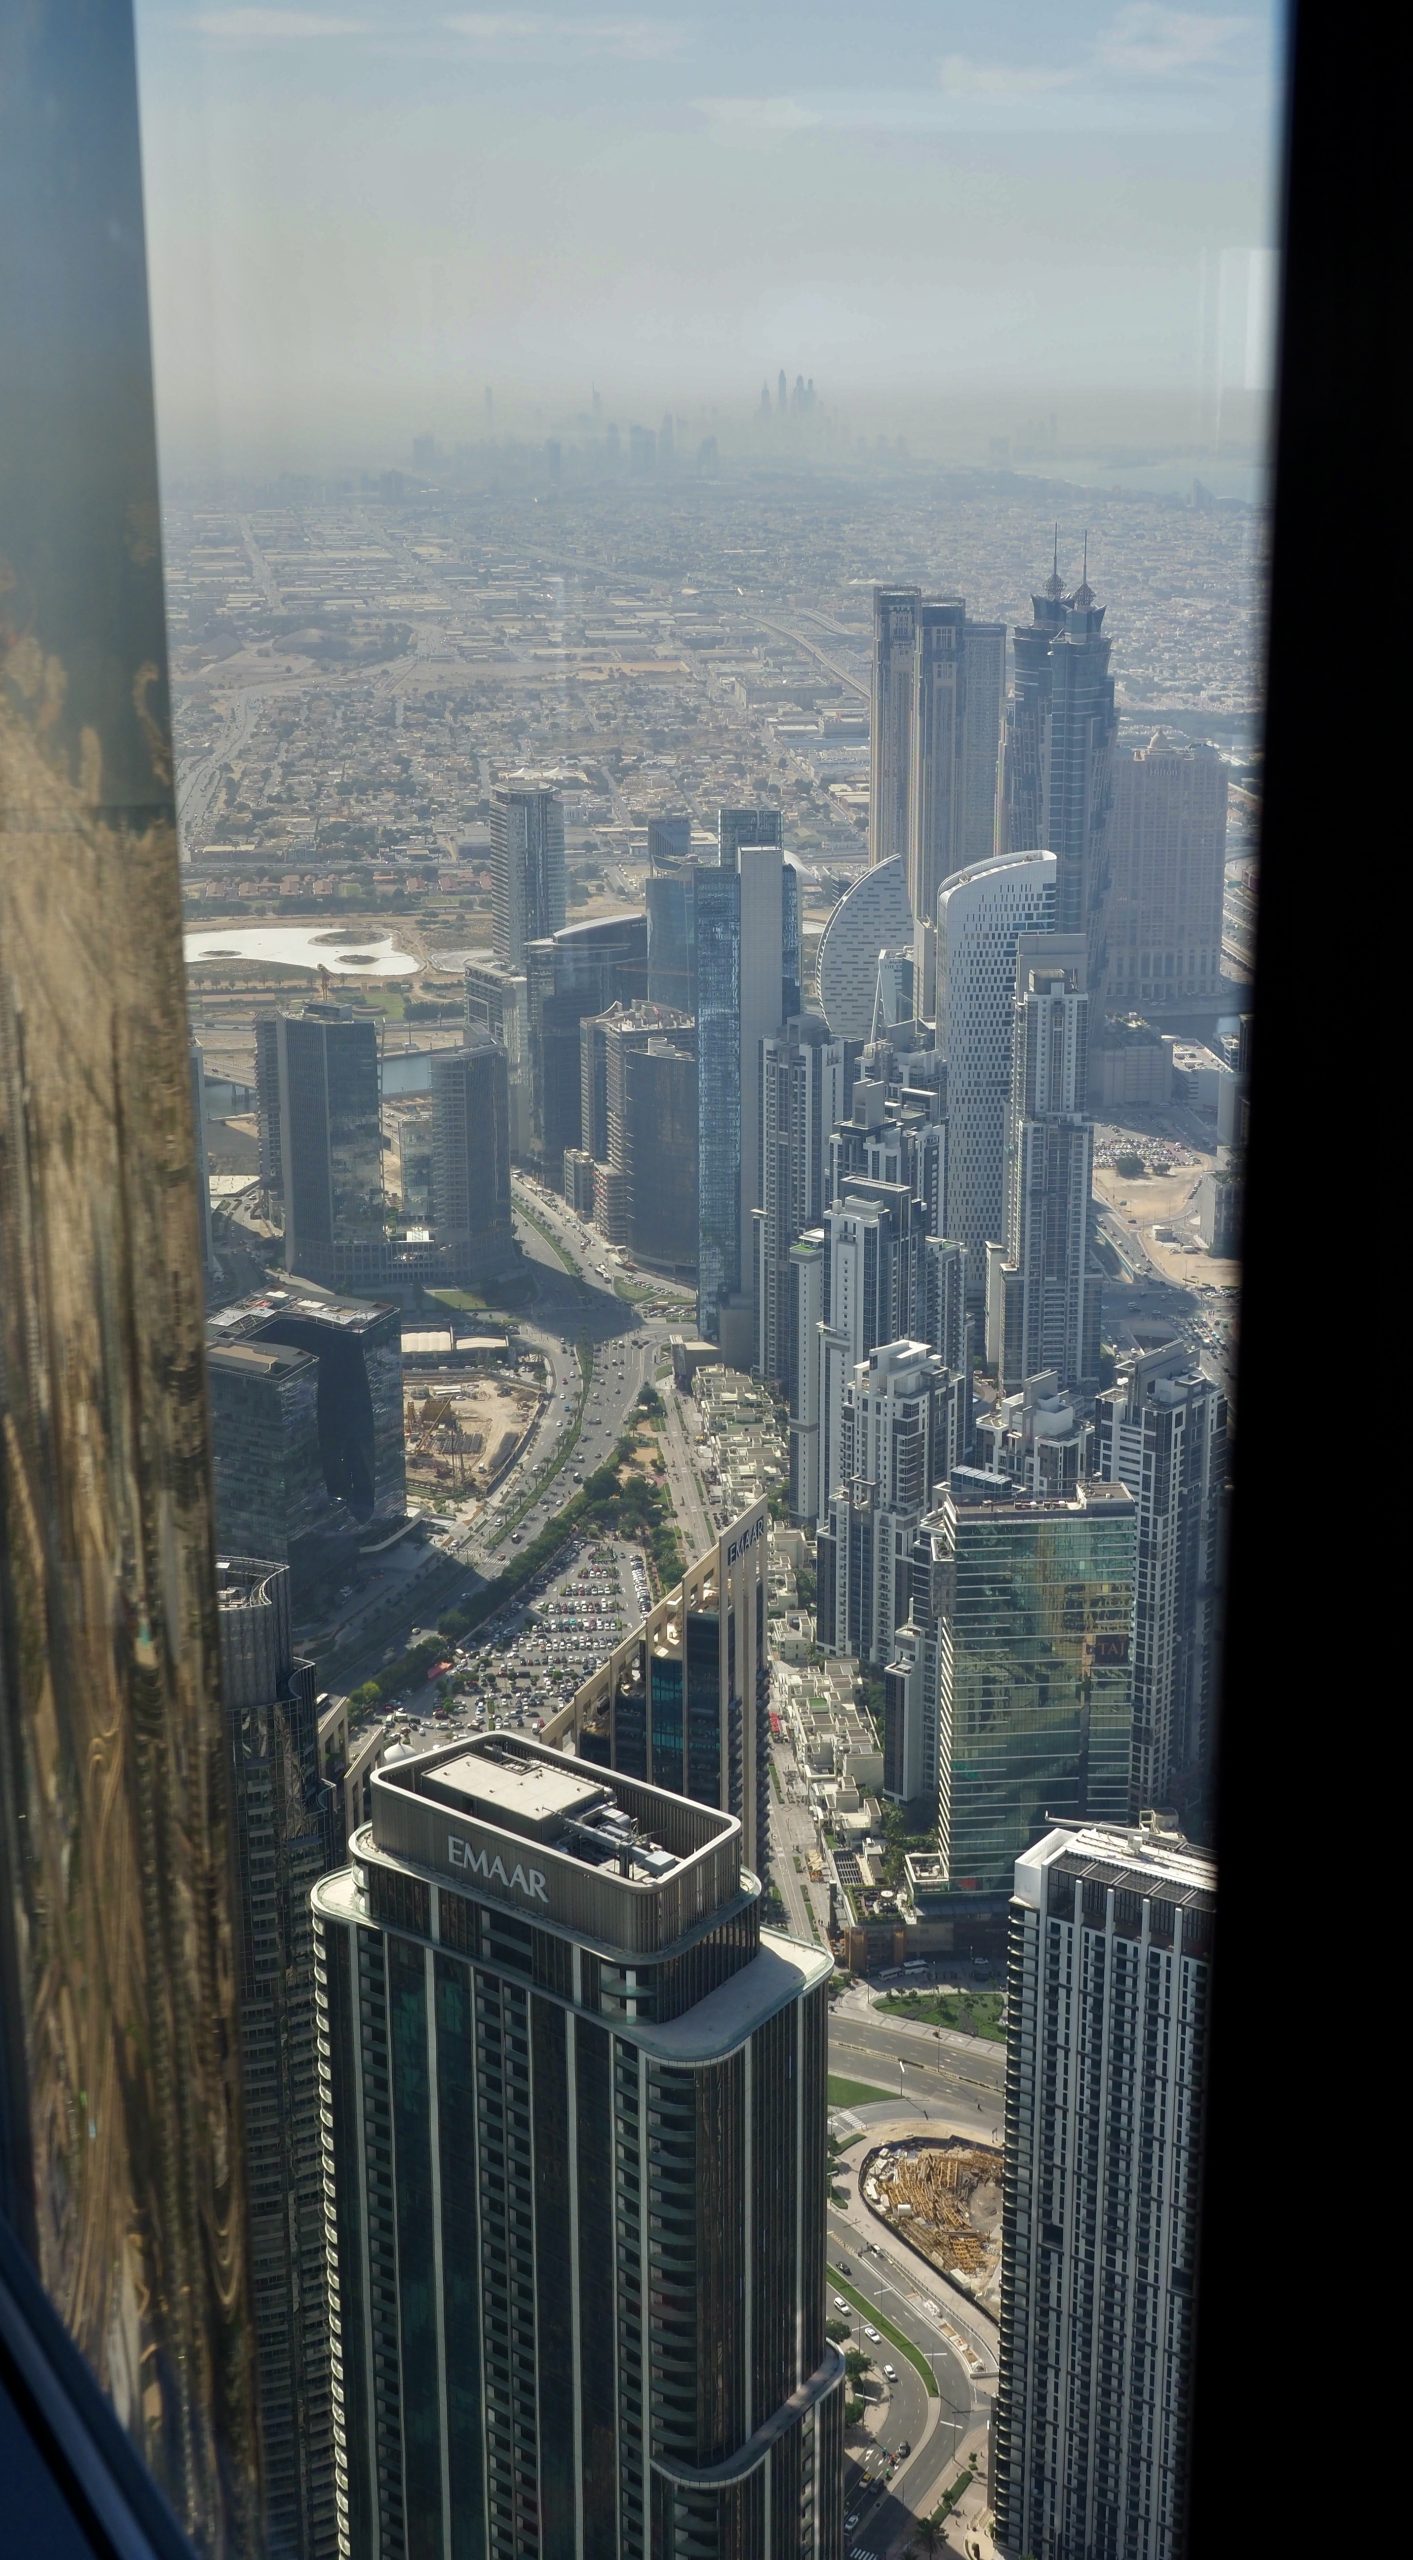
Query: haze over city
358	219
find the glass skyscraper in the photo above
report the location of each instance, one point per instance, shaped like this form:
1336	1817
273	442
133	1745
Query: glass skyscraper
1034	1612
288	1833
527	867
330	1146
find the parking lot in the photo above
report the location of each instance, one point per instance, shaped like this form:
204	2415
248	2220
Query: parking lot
532	1659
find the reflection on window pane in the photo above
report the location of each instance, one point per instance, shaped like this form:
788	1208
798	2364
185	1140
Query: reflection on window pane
714	570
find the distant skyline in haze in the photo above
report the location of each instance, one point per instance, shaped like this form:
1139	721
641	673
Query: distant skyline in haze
359	217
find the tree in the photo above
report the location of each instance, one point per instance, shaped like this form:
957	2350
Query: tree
857	2363
853	2412
836	2329
927	2539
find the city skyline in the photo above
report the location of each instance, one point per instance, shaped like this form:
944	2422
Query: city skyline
572	1526
906	175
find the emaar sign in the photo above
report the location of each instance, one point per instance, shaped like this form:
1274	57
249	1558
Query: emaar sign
493	1870
742	1546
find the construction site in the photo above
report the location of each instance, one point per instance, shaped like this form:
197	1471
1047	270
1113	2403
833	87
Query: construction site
944	2198
463	1433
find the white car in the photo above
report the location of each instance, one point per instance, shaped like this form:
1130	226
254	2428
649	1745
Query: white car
875	2336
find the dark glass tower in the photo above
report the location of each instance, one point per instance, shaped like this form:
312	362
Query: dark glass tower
1058	776
471	1158
330	1148
574	2111
289	1832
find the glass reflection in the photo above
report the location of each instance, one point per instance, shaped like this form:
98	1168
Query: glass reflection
119	2124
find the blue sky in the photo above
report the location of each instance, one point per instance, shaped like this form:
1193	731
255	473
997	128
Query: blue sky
359	215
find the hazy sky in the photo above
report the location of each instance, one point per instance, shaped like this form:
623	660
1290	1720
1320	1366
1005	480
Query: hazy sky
359	216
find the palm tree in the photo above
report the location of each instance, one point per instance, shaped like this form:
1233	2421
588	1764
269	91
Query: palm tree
927	2540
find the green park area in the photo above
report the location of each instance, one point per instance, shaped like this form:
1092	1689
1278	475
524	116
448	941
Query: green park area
854	2093
971	2013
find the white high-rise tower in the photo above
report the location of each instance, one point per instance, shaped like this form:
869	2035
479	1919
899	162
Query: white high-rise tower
1108	1999
981	915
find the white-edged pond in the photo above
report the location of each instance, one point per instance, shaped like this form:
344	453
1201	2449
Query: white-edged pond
344	952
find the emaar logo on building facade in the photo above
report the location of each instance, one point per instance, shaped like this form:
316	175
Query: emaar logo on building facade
481	1862
741	1546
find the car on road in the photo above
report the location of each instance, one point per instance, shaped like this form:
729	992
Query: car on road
875	2336
904	2450
890	2373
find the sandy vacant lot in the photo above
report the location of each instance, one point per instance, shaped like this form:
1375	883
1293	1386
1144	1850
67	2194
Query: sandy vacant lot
1147	1201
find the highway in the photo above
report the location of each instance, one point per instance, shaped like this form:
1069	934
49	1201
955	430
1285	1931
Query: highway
934	2067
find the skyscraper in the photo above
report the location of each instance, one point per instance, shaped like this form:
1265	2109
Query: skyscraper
657	1131
716	896
982	914
288	1833
471	1159
1166	856
575	2160
330	1139
873	1293
1083	725
684	1699
527	867
1108	1999
937	799
904	1424
267	1100
1060	731
895	614
1022	1614
805	1087
984	650
1025	778
638	1107
736	828
747	967
669	840
120	2120
571	975
307	1431
1162	1431
871	918
1042	1296
1040	1438
894	1133
805	1282
672	956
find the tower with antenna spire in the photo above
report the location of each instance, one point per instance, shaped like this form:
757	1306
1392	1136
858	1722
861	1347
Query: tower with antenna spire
1060	729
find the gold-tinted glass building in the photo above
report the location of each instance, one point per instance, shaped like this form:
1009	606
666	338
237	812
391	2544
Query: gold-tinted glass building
119	2114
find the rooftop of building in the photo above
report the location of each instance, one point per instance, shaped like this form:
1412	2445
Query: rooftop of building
569	1809
254	1359
240	1580
249	1315
1148	1856
977	1488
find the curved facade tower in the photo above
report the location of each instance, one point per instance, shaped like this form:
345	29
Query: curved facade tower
981	915
871	918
